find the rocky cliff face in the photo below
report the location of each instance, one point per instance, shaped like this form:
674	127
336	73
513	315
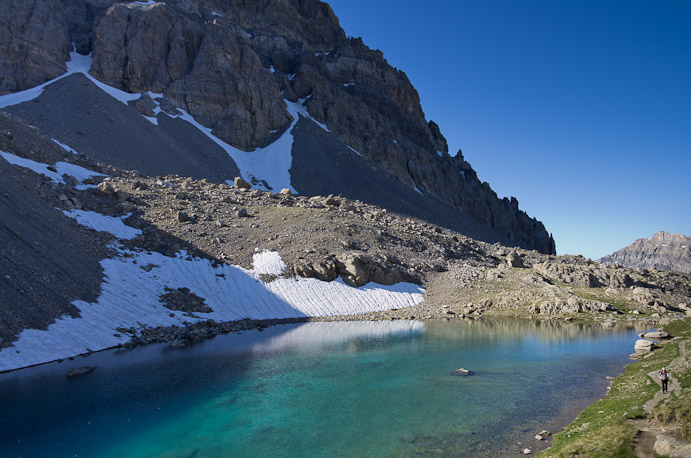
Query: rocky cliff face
663	251
231	65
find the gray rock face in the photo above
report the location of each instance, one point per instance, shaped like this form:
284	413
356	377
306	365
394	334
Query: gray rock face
232	64
663	251
35	42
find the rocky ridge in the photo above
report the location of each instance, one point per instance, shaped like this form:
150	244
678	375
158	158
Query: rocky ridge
232	64
662	251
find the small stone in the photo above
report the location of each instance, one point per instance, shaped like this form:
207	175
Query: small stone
527	451
183	217
242	213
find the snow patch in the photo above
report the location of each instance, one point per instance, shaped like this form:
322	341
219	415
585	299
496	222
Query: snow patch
62	168
76	64
214	13
152	119
103	223
294	108
268	263
134	281
416	189
63	146
440	154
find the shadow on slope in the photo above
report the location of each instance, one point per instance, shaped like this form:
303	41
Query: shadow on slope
323	165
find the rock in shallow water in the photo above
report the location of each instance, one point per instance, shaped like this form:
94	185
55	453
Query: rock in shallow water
462	372
80	371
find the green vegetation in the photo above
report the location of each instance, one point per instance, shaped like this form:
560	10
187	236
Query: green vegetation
598	294
602	430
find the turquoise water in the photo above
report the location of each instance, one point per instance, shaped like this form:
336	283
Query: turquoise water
317	390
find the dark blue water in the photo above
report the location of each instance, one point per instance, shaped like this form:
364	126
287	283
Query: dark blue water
318	389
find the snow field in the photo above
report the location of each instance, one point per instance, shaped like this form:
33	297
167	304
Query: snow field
134	282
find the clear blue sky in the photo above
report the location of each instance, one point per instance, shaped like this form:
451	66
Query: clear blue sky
579	109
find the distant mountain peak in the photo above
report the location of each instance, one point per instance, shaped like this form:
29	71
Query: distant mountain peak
662	251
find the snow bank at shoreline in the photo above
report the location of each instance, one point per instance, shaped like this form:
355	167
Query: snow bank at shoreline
134	282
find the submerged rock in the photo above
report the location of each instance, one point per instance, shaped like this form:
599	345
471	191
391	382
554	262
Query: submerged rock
462	372
80	371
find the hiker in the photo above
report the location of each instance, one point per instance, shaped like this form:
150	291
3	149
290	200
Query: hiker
664	378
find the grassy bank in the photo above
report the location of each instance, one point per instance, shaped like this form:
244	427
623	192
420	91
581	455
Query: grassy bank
604	429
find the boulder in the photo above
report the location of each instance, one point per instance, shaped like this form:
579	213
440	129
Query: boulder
669	446
332	201
514	260
324	270
105	189
239	182
643	346
353	268
656	335
144	105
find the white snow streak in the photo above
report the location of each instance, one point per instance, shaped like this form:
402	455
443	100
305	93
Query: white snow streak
76	64
103	223
62	168
354	151
63	146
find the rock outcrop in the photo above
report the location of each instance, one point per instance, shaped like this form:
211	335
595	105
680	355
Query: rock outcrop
231	65
35	42
663	251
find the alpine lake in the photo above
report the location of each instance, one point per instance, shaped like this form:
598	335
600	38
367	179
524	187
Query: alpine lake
337	389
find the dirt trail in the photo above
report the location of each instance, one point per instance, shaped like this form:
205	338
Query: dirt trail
648	431
674	385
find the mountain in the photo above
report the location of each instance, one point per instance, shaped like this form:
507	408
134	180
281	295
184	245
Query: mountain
272	90
662	251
